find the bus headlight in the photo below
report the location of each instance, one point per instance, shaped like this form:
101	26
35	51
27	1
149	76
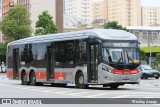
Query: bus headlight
105	68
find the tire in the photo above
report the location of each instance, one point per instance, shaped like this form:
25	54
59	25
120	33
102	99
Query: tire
114	86
80	81
157	77
24	79
33	79
145	76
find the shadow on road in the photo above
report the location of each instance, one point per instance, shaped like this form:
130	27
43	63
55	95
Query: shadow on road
89	88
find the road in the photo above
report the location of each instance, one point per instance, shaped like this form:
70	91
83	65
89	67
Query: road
13	89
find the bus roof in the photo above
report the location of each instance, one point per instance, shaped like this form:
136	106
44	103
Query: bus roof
106	34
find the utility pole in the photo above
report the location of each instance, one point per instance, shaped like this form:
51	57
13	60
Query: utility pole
151	40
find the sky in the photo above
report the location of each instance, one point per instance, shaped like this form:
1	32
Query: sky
150	2
147	2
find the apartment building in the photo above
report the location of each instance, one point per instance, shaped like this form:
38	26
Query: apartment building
6	5
81	9
35	7
150	16
1	37
126	12
100	10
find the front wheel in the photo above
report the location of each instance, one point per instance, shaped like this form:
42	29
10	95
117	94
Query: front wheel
145	76
80	81
157	77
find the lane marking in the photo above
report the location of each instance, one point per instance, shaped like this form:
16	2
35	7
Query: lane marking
122	96
78	93
93	96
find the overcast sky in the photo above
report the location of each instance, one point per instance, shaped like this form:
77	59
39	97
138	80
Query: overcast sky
150	2
147	2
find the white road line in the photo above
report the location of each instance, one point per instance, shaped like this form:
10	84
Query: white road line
122	96
50	90
78	93
93	96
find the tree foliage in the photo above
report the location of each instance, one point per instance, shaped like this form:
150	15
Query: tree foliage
158	57
45	24
16	24
3	48
114	25
142	55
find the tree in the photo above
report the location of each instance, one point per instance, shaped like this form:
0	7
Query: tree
158	57
45	24
142	55
16	24
3	48
114	25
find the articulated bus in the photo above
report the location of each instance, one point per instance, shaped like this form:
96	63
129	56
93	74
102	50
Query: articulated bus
93	57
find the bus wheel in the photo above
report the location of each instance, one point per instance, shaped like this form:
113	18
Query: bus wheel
114	86
24	79
33	79
80	81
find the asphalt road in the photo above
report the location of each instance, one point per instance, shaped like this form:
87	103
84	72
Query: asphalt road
146	89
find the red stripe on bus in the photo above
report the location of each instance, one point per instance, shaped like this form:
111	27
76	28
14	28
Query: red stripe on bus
59	75
125	72
9	73
41	75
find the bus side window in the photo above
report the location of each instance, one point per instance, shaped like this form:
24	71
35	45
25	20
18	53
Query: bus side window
70	53
59	54
80	52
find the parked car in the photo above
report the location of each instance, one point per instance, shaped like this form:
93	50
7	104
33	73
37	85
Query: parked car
147	71
2	68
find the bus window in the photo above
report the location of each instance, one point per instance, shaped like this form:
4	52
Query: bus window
59	54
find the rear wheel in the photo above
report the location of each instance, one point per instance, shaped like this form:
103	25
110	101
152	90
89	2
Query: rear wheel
114	86
33	79
80	81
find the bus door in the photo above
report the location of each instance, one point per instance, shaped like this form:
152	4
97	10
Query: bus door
50	63
15	63
93	63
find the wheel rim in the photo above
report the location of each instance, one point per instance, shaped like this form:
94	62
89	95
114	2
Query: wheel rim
81	79
33	79
25	78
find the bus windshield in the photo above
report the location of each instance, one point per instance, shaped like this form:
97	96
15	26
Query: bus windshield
120	55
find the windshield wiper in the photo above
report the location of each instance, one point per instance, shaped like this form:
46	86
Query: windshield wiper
129	57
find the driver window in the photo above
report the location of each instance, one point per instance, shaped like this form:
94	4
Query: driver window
105	55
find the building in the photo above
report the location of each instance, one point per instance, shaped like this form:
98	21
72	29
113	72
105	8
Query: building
35	7
100	10
6	5
147	36
1	20
126	12
150	16
81	9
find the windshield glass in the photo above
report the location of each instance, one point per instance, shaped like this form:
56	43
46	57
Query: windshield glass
123	55
146	67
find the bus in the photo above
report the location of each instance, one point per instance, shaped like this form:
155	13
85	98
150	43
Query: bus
92	57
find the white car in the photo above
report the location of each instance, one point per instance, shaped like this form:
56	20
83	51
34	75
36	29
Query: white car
147	71
2	68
